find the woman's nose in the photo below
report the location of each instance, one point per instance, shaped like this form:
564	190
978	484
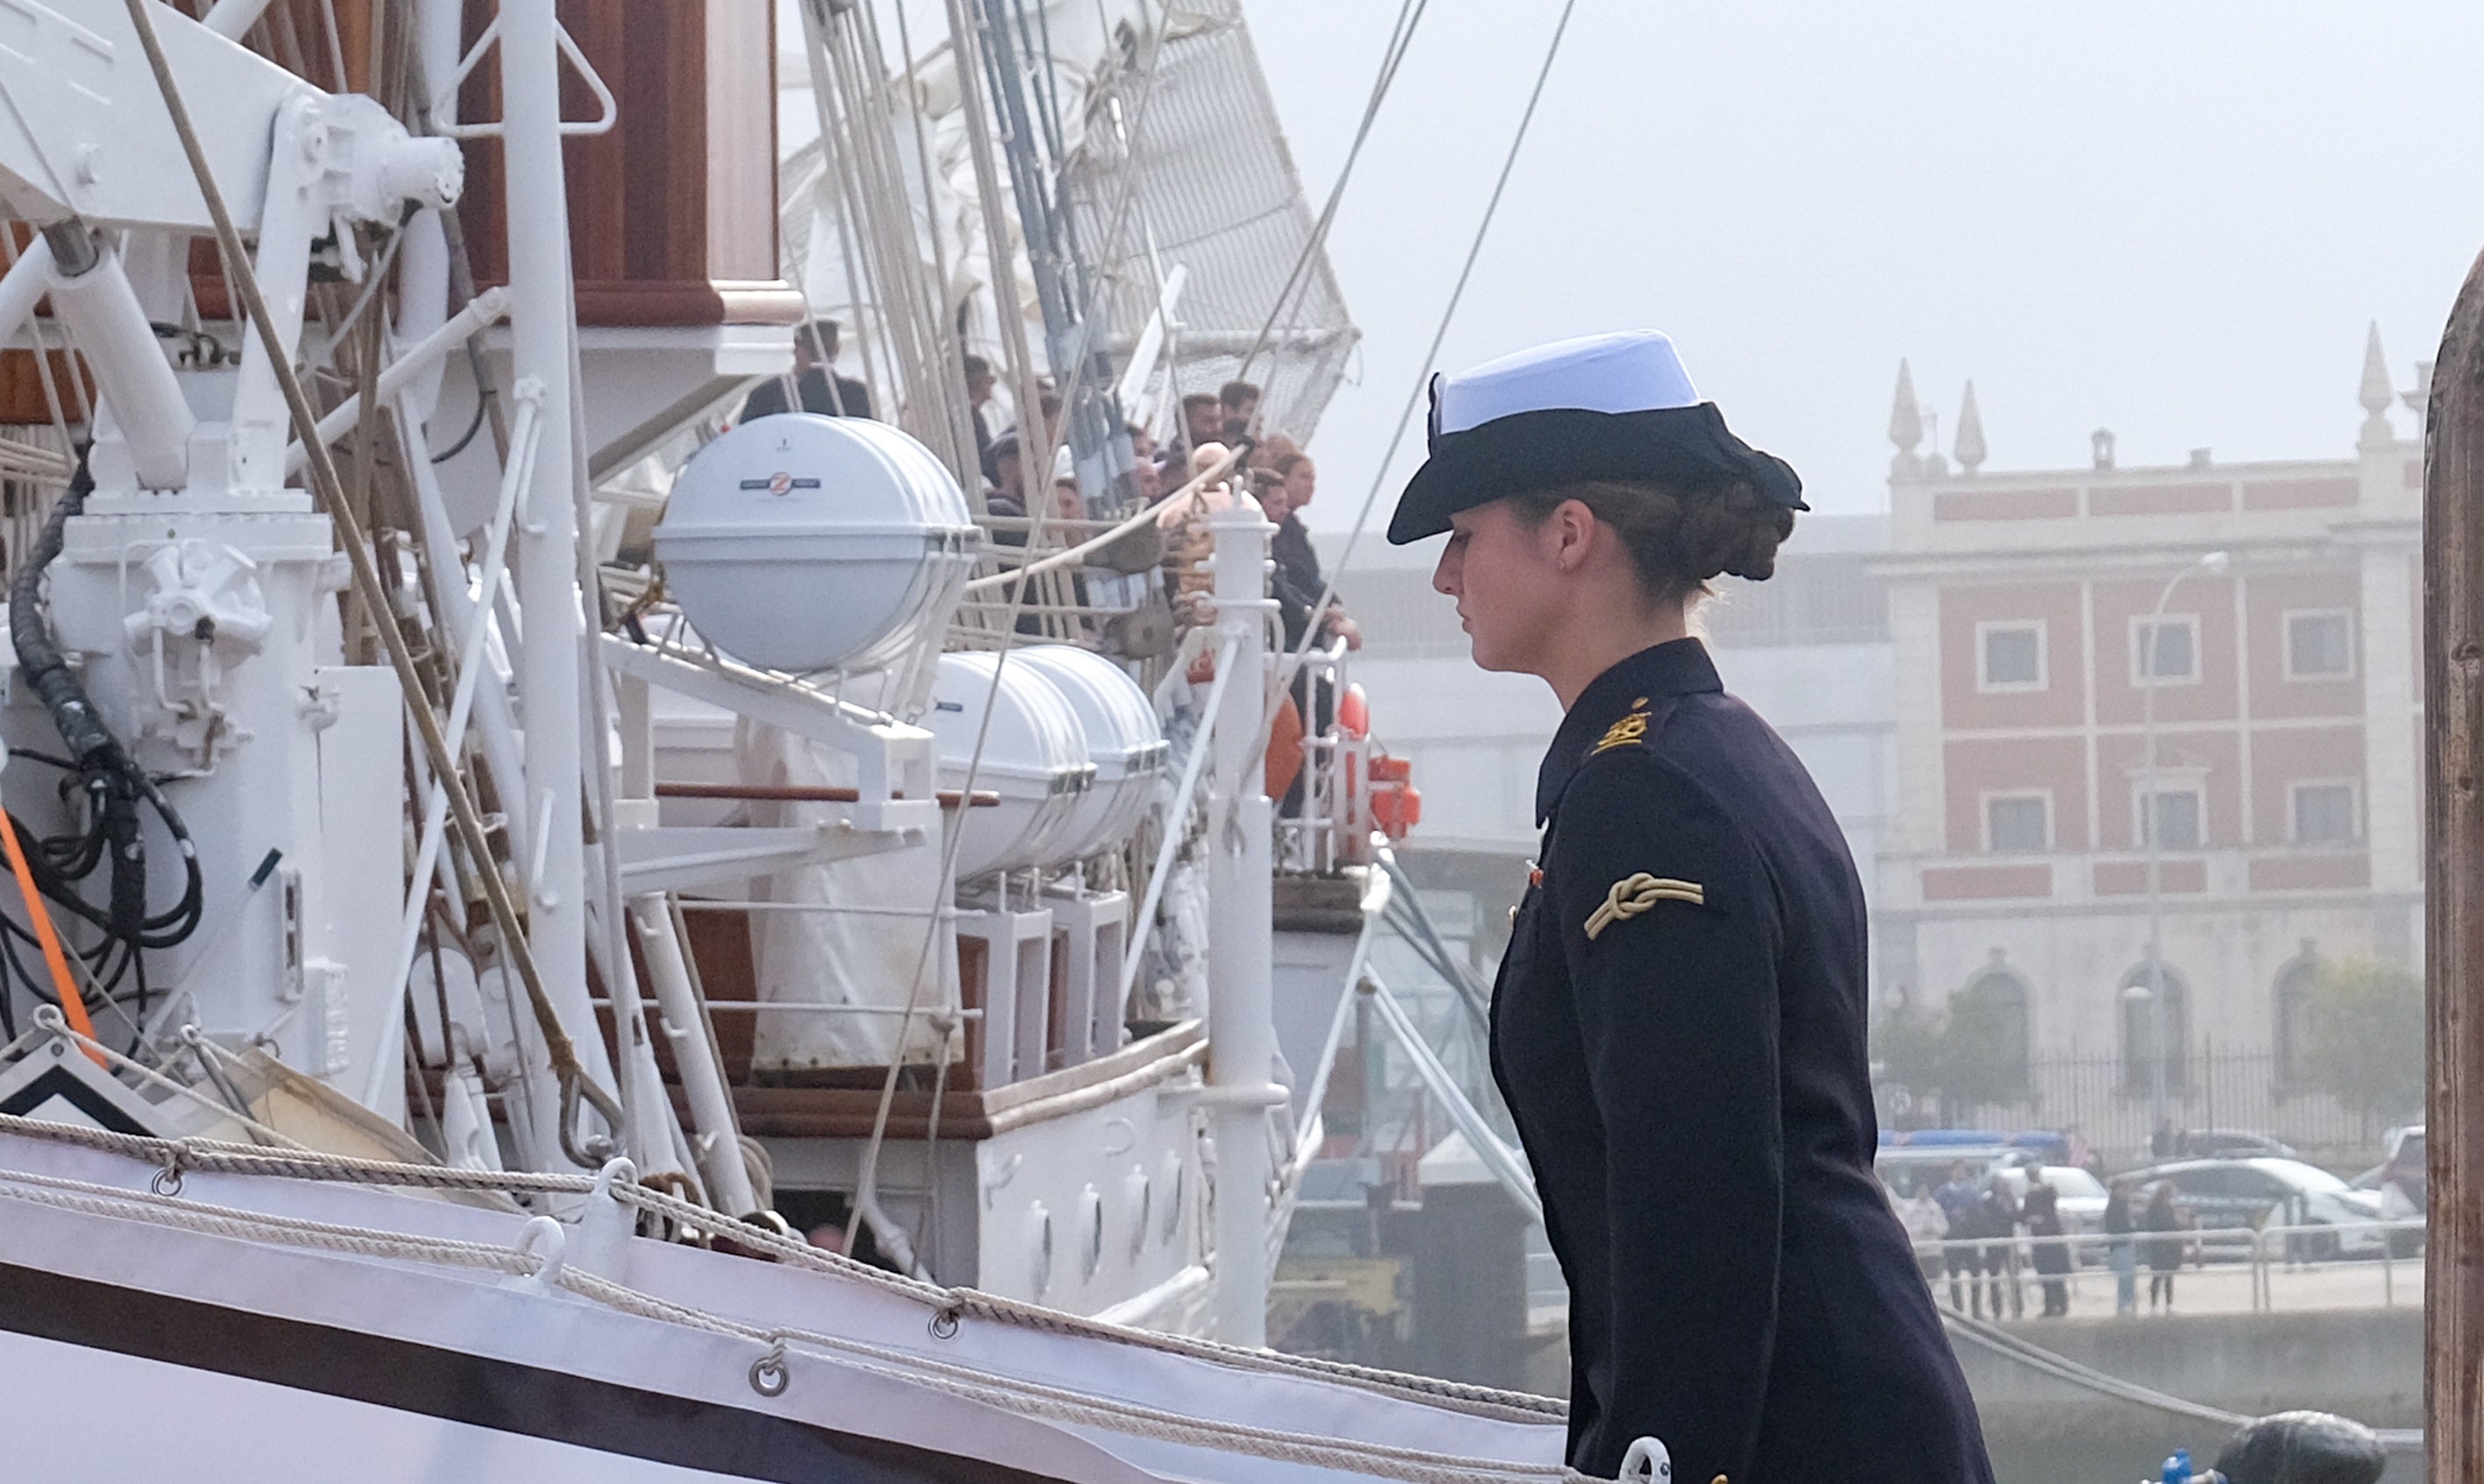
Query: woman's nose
1445	581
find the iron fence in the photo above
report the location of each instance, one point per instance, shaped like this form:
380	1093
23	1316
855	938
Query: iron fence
2099	1099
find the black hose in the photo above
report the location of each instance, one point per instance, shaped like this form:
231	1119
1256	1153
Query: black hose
115	786
91	746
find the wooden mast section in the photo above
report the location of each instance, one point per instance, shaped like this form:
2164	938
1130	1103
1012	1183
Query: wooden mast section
2453	700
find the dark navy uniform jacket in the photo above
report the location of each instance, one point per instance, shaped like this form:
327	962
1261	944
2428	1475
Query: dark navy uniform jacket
1678	1030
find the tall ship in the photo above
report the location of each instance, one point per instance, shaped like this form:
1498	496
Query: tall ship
563	926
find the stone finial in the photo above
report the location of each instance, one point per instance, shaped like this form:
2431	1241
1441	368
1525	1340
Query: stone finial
2376	393
2419	398
1970	448
2101	447
1905	424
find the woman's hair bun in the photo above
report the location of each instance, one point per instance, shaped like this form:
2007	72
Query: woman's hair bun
1679	538
1734	530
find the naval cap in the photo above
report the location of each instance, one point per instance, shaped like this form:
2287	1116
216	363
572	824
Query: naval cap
1610	407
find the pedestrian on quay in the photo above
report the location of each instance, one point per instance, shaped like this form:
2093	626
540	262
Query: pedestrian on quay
1926	1225
2118	1250
2043	1216
1962	1206
2000	1230
2162	1246
1679	1022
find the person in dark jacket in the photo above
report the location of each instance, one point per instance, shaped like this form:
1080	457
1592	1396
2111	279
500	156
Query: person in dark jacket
1963	1205
815	380
2042	1214
2117	1249
2000	1223
2162	1246
1677	1024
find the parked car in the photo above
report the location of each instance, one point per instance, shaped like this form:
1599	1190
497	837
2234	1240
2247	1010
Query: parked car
1906	1169
2405	1169
2230	1194
2229	1143
2402	1185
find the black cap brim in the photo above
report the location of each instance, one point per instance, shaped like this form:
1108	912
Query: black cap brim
1556	446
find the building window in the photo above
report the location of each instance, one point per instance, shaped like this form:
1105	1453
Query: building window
2018	823
2169	819
2324	814
2319	646
2146	1025
2293	1020
2165	651
2011	657
1989	1020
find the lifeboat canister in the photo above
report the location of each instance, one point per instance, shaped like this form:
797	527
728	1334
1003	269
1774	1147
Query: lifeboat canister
1123	740
1034	756
803	543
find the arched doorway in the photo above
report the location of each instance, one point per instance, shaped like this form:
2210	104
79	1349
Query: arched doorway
1988	1021
2291	1018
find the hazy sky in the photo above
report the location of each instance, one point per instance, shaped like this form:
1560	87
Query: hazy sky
2175	220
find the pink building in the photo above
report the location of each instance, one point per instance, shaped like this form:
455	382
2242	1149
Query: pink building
2284	810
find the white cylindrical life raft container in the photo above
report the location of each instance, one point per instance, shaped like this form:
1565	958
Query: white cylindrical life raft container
804	543
1034	757
1123	740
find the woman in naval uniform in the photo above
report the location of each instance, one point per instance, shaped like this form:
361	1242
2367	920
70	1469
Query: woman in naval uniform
1679	1022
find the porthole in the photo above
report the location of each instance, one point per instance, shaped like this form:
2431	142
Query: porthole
1091	1206
1136	1193
1174	1191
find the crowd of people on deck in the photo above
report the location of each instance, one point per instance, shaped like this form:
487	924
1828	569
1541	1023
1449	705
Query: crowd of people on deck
1967	1230
1270	466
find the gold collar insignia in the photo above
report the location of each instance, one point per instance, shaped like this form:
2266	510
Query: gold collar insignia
1621	734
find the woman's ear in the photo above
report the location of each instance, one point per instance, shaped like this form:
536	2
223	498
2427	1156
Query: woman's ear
1573	529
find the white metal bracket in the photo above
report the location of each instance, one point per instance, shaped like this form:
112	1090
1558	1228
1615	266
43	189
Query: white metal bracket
443	103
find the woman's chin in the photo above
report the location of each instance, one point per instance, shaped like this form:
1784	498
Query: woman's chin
1487	655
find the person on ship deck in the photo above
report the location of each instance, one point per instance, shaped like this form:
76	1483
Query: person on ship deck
815	378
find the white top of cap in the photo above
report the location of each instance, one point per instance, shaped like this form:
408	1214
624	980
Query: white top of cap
1629	371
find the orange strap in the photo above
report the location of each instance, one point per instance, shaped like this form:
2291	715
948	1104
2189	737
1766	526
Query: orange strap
72	1004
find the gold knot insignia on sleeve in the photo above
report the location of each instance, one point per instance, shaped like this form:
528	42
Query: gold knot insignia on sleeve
1637	892
1622	733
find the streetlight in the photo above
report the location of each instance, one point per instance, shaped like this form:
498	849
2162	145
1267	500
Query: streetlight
2151	824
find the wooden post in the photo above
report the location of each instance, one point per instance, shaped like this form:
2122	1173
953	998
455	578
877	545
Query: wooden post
2453	695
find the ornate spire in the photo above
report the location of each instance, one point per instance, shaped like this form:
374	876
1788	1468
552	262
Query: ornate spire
1970	434
1905	424
2376	393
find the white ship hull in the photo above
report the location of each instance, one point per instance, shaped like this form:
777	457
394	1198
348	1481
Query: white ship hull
272	1328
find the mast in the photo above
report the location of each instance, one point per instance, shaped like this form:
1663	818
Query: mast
543	300
2453	697
1240	942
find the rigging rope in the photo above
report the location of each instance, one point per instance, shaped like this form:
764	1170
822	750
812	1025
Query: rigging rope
327	491
1020	1395
1279	692
173	1157
1401	35
1999	1341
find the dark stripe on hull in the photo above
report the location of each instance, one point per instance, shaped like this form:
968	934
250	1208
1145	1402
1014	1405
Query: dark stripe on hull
503	1395
58	1084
